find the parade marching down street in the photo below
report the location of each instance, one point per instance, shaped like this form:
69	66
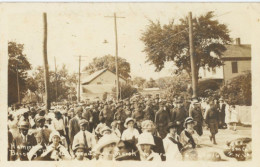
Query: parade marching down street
138	128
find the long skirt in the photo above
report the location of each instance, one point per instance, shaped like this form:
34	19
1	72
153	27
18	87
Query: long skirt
213	126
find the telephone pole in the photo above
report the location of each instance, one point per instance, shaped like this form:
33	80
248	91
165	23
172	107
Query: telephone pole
116	57
56	84
45	60
79	75
192	59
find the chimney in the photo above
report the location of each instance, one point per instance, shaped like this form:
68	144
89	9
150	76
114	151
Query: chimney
237	41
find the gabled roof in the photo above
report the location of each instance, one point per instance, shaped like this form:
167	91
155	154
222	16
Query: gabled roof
237	51
96	74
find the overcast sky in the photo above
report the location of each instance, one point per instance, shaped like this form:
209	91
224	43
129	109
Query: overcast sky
80	29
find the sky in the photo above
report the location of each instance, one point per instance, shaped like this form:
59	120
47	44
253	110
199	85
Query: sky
80	29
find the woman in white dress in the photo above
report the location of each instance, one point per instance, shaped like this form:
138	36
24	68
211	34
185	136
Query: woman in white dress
234	117
130	134
227	116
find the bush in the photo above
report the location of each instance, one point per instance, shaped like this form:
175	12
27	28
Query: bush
208	88
126	91
238	90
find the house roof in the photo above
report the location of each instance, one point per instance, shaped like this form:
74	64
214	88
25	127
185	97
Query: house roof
96	74
237	51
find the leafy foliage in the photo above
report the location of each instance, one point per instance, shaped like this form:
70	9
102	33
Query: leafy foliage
108	62
150	84
126	91
207	88
239	90
17	64
139	81
170	42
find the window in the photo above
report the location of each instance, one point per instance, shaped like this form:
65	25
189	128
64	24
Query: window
234	67
213	71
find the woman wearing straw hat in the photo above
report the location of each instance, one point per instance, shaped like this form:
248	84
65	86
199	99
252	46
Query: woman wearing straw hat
145	142
130	133
80	152
189	137
55	151
106	147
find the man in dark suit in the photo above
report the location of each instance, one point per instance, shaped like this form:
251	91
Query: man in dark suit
222	114
74	127
23	142
178	115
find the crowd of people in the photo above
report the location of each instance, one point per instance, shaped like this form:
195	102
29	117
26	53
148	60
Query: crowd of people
141	129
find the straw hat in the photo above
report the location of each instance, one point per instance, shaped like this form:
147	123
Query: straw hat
24	125
104	141
128	120
189	120
54	133
145	138
105	128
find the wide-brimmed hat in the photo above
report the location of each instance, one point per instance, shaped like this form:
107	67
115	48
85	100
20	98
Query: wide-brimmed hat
103	129
24	125
83	122
145	138
147	124
104	141
38	118
54	133
79	146
189	120
128	120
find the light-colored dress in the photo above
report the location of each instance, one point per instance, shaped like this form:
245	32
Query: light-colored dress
128	134
171	149
234	115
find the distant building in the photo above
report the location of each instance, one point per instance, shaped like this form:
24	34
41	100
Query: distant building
95	85
236	59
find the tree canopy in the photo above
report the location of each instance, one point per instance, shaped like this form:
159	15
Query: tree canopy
17	65
170	42
108	62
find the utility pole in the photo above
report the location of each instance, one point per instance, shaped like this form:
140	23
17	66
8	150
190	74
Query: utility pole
45	60
79	75
56	84
116	57
18	85
192	59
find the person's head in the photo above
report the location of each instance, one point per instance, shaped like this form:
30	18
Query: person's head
145	142
105	131
196	105
40	121
113	124
24	127
83	124
79	151
55	138
79	112
129	123
172	128
189	123
107	144
39	138
148	126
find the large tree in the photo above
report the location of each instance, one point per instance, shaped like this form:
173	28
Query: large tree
170	42
66	83
108	62
17	65
139	81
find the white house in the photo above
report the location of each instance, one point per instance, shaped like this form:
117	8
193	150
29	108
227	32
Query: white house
236	60
95	85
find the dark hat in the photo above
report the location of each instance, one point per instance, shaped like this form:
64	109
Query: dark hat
171	125
38	118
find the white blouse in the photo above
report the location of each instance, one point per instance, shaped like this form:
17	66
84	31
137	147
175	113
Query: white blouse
128	134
